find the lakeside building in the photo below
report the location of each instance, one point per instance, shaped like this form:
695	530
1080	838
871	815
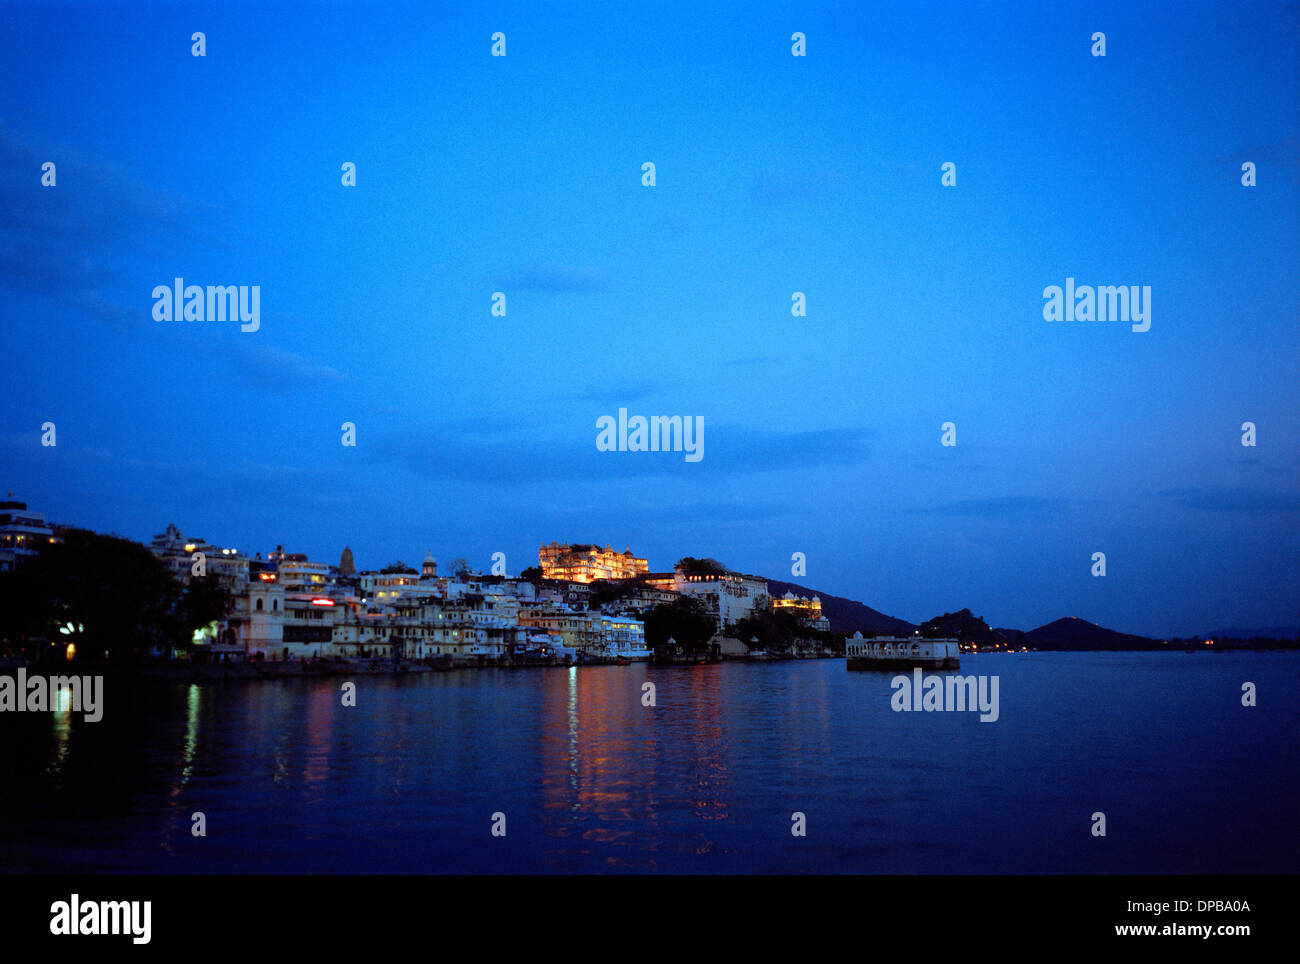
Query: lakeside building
639	595
228	565
729	596
665	582
579	629
391	586
575	594
290	609
257	618
21	532
547	646
583	562
590	632
309	622
808	610
624	638
297	573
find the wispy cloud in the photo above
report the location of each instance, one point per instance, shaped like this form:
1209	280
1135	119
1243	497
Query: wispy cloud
620	392
269	368
1232	499
999	506
66	243
497	454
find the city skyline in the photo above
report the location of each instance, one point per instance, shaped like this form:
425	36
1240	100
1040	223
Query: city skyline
478	433
558	562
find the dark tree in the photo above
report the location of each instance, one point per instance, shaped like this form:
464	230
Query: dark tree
691	564
606	591
684	619
775	629
115	596
202	601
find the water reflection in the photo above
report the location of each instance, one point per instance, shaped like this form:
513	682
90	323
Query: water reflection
705	781
320	735
62	729
176	815
600	752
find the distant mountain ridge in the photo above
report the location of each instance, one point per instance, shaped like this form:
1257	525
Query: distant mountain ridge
1071	632
1265	632
845	615
1068	633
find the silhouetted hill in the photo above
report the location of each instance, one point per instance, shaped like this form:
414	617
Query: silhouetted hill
968	629
1016	637
1074	633
845	615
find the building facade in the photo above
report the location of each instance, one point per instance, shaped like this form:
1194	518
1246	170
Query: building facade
22	532
730	596
581	562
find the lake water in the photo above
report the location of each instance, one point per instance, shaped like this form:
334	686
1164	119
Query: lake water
589	780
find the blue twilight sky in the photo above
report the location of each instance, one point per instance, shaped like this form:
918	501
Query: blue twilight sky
775	174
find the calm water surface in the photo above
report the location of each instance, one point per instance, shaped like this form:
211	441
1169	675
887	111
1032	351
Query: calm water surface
706	782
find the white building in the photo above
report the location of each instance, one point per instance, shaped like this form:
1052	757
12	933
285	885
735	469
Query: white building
228	565
21	532
625	638
258	619
730	596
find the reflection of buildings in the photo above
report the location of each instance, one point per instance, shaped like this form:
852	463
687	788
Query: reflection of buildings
178	815
595	781
321	704
600	753
579	562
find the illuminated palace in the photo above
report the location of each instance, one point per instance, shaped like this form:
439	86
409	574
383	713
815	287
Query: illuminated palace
809	610
587	563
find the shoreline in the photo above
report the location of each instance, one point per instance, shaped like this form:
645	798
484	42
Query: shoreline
181	672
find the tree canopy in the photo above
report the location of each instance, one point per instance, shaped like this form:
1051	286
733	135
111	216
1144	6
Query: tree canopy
684	619
692	564
113	597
